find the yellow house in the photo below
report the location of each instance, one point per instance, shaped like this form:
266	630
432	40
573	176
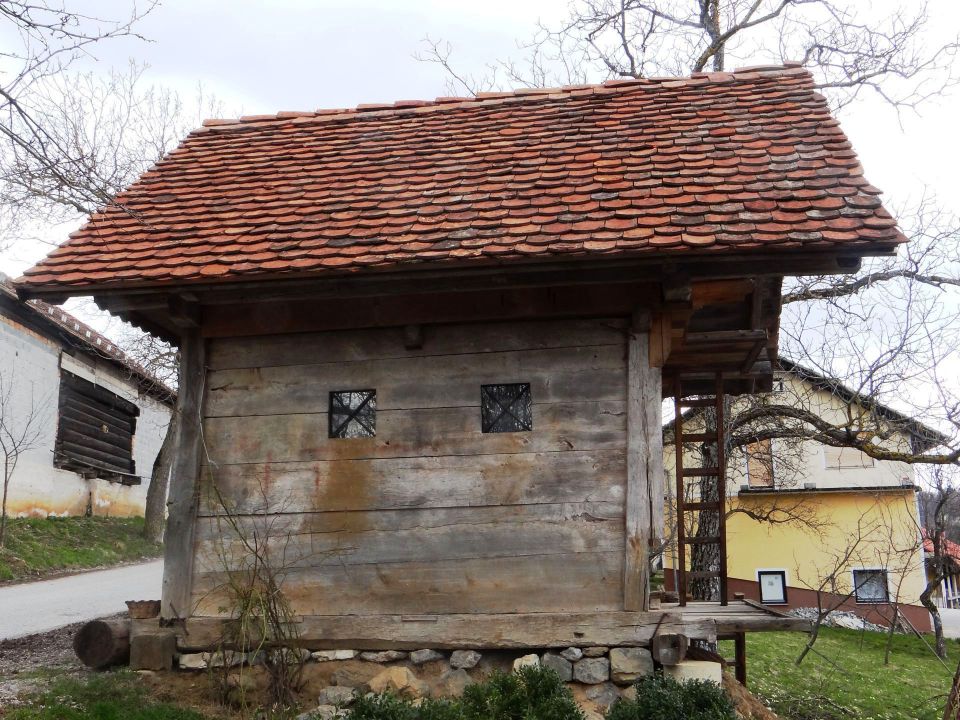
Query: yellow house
809	524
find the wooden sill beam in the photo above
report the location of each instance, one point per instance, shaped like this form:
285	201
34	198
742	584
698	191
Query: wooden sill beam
470	631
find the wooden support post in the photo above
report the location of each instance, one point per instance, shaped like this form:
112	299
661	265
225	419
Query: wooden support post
740	655
644	497
184	480
722	485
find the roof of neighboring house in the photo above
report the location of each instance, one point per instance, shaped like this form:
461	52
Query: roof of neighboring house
924	436
714	164
78	334
951	549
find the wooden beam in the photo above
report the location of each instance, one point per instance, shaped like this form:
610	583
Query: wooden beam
644	494
661	338
266	318
470	631
726	336
413	337
184	312
184	486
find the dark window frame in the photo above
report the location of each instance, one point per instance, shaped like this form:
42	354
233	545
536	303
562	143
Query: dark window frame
857	585
783	579
352	415
96	431
491	402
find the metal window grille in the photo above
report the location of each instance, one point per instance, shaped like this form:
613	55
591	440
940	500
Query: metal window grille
353	413
506	408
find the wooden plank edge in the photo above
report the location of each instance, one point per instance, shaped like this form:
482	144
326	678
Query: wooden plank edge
520	631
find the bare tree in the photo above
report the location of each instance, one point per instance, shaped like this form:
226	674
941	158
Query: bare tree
20	430
50	37
851	47
944	499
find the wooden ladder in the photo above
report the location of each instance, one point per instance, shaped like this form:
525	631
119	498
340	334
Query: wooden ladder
718	472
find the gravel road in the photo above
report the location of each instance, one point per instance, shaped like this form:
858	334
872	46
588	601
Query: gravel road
37	607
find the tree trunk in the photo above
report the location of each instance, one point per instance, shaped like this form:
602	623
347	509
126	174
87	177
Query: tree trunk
952	710
926	600
155	511
3	509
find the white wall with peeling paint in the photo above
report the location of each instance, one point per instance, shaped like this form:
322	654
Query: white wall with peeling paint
30	364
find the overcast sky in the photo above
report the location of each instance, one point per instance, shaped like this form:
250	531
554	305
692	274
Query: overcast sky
270	55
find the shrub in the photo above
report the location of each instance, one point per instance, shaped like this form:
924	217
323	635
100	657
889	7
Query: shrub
530	694
391	707
660	697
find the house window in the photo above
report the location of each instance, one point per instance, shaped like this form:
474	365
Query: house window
845	458
95	431
353	413
870	585
506	408
773	586
760	464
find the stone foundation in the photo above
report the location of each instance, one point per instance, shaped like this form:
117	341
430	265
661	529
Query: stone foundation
597	676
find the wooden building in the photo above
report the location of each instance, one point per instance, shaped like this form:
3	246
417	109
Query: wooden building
428	341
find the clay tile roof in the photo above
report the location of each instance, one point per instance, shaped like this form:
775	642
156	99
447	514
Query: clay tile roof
714	164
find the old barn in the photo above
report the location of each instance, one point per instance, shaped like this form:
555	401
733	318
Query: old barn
428	342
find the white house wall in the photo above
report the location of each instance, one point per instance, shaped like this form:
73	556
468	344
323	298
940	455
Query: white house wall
32	363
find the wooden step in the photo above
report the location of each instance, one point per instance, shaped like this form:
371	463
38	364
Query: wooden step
700	472
698	437
698	402
697	506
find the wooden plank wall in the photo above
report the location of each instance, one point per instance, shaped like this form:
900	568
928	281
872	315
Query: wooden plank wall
431	515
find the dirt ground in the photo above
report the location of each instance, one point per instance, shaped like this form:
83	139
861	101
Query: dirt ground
26	662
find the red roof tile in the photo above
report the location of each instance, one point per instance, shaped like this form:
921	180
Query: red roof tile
717	163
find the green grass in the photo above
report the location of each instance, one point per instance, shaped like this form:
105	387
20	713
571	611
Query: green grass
109	696
37	547
851	681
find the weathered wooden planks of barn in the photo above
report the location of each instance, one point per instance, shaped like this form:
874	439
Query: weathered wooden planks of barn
425	344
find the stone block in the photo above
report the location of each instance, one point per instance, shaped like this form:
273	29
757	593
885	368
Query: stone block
419	657
399	680
153	651
338	695
384	656
561	666
331	655
592	671
526	661
695	670
453	683
628	664
464	659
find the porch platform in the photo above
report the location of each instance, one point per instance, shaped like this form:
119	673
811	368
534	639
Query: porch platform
697	621
737	617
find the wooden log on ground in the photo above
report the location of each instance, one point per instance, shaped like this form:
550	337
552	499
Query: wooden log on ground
101	644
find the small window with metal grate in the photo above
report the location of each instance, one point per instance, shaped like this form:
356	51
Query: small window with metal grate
506	408
353	413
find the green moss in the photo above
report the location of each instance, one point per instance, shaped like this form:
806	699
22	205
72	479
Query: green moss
848	679
38	547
